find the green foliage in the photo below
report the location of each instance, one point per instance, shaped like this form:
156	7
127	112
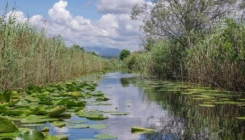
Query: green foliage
77	47
27	56
181	20
220	57
124	54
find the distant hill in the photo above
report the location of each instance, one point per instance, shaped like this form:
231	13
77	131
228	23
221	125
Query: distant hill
104	52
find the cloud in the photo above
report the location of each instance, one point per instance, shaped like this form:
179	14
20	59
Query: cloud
112	30
117	7
18	15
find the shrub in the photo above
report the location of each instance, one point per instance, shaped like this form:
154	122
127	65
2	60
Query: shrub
124	54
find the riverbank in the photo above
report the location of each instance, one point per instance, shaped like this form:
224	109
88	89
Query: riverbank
29	56
216	60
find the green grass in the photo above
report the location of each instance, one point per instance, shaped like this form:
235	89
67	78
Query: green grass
29	56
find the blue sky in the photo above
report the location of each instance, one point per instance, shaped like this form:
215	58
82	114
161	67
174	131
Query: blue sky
86	8
100	23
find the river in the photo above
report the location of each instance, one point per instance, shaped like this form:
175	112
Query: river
175	114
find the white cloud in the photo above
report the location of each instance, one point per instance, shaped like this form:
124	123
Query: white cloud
115	6
111	30
18	15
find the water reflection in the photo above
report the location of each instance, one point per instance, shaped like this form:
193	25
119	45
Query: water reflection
175	116
197	123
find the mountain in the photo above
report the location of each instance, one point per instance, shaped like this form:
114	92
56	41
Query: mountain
104	52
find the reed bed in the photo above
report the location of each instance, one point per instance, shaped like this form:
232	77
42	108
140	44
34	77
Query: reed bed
217	59
28	56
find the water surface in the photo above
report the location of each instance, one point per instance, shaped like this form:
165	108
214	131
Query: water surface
174	114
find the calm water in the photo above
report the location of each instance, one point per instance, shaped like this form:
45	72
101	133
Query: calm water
175	116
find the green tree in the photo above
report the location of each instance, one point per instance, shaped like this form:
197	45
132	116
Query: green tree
124	54
183	21
77	47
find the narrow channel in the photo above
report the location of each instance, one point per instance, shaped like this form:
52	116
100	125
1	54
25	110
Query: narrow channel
175	114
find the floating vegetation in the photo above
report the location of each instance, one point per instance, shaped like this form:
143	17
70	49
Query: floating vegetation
59	124
57	111
30	135
119	113
31	125
98	126
105	136
7	125
92	115
75	122
135	129
78	126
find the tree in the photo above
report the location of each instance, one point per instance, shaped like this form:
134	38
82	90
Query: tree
77	47
182	20
124	53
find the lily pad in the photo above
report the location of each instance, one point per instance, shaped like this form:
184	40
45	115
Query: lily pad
76	94
92	115
57	111
76	122
58	124
135	129
7	125
32	125
37	119
119	113
87	139
62	137
78	126
45	129
30	135
105	136
50	137
13	134
98	126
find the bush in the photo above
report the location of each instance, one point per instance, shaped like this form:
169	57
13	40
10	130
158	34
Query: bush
219	60
124	54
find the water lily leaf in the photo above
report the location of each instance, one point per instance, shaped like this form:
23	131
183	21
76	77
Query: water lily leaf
17	112
58	124
57	111
206	105
4	104
31	125
119	113
78	126
102	99
30	135
76	94
62	137
87	139
135	129
13	134
39	110
25	129
45	129
38	119
49	137
98	126
105	136
76	122
92	115
7	125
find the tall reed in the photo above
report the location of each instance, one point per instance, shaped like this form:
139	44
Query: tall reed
28	56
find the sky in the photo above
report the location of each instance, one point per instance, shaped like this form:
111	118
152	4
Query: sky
97	23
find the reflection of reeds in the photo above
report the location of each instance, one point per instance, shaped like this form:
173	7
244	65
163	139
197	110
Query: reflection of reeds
28	56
